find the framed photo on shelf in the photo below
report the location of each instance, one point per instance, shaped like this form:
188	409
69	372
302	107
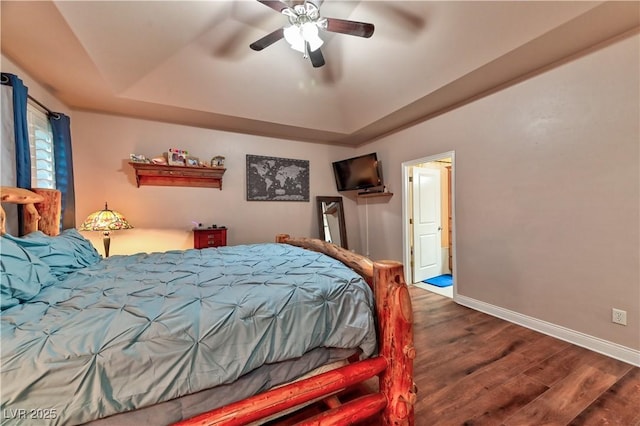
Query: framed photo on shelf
192	161
277	179
176	157
217	161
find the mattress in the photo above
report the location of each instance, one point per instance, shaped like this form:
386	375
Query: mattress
133	331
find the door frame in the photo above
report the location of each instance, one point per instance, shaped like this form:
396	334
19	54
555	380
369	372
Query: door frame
406	214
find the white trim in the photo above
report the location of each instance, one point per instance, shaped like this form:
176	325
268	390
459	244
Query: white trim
406	244
613	350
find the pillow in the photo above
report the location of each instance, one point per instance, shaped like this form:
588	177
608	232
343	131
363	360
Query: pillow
64	253
23	274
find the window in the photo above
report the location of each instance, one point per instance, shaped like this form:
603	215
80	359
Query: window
41	146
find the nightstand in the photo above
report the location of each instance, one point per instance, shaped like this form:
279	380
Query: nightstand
210	237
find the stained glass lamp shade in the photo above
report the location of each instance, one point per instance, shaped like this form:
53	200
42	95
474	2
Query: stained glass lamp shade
106	221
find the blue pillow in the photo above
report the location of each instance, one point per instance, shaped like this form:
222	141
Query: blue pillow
64	253
23	274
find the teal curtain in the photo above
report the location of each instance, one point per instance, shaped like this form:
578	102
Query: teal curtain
61	128
21	134
21	129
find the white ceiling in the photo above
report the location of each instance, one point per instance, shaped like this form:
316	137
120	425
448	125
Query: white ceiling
189	62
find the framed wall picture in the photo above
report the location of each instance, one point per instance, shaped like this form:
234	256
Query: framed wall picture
277	179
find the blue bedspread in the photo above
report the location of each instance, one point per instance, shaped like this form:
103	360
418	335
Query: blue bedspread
131	331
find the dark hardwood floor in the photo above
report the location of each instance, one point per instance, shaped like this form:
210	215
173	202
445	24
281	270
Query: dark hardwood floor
474	369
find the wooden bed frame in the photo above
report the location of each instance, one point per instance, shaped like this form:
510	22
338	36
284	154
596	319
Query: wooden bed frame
393	365
41	211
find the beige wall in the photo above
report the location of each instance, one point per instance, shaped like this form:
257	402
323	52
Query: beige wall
547	193
163	216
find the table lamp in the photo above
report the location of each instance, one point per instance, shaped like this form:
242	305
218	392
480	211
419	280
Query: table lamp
106	221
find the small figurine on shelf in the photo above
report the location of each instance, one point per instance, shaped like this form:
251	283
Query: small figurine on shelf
138	158
159	160
217	161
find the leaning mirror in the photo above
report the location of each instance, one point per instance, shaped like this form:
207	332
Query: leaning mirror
331	220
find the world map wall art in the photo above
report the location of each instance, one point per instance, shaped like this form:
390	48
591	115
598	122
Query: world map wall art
277	179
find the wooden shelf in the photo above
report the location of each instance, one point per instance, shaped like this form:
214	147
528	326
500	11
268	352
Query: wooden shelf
163	175
376	195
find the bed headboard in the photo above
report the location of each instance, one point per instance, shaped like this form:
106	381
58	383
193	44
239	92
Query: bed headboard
42	209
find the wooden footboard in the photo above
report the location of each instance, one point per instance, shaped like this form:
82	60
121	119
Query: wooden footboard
393	365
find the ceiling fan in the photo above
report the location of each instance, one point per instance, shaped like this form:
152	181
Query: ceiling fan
302	33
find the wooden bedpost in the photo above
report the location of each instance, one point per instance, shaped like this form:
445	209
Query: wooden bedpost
395	316
49	210
30	219
282	238
395	325
27	198
3	221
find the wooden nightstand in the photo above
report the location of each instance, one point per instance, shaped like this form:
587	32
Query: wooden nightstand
211	237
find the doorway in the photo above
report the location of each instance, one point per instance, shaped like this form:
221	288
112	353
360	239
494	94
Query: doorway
428	223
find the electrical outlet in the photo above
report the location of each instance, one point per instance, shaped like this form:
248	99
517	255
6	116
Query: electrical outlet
618	316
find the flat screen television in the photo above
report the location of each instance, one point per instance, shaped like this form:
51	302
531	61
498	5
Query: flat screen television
355	173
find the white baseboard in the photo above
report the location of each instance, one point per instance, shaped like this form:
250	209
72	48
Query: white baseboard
595	344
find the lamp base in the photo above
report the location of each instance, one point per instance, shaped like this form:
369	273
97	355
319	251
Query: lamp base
106	239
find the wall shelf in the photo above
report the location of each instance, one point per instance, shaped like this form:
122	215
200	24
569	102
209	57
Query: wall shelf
376	195
163	175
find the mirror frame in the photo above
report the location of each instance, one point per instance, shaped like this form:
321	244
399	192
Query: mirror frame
343	230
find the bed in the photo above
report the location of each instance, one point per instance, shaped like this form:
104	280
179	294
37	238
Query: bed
169	338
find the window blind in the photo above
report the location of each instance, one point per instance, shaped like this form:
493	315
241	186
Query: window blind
41	147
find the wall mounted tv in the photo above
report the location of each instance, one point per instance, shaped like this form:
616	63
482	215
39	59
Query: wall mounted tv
363	172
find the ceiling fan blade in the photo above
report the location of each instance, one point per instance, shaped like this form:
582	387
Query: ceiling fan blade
360	29
317	60
267	40
276	5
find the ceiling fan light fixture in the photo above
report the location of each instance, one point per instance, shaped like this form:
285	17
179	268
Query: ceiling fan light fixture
310	34
294	37
298	35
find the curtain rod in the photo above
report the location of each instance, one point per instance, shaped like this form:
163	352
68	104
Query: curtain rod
35	101
5	80
55	115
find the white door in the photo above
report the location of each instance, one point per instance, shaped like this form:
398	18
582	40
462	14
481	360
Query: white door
427	247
